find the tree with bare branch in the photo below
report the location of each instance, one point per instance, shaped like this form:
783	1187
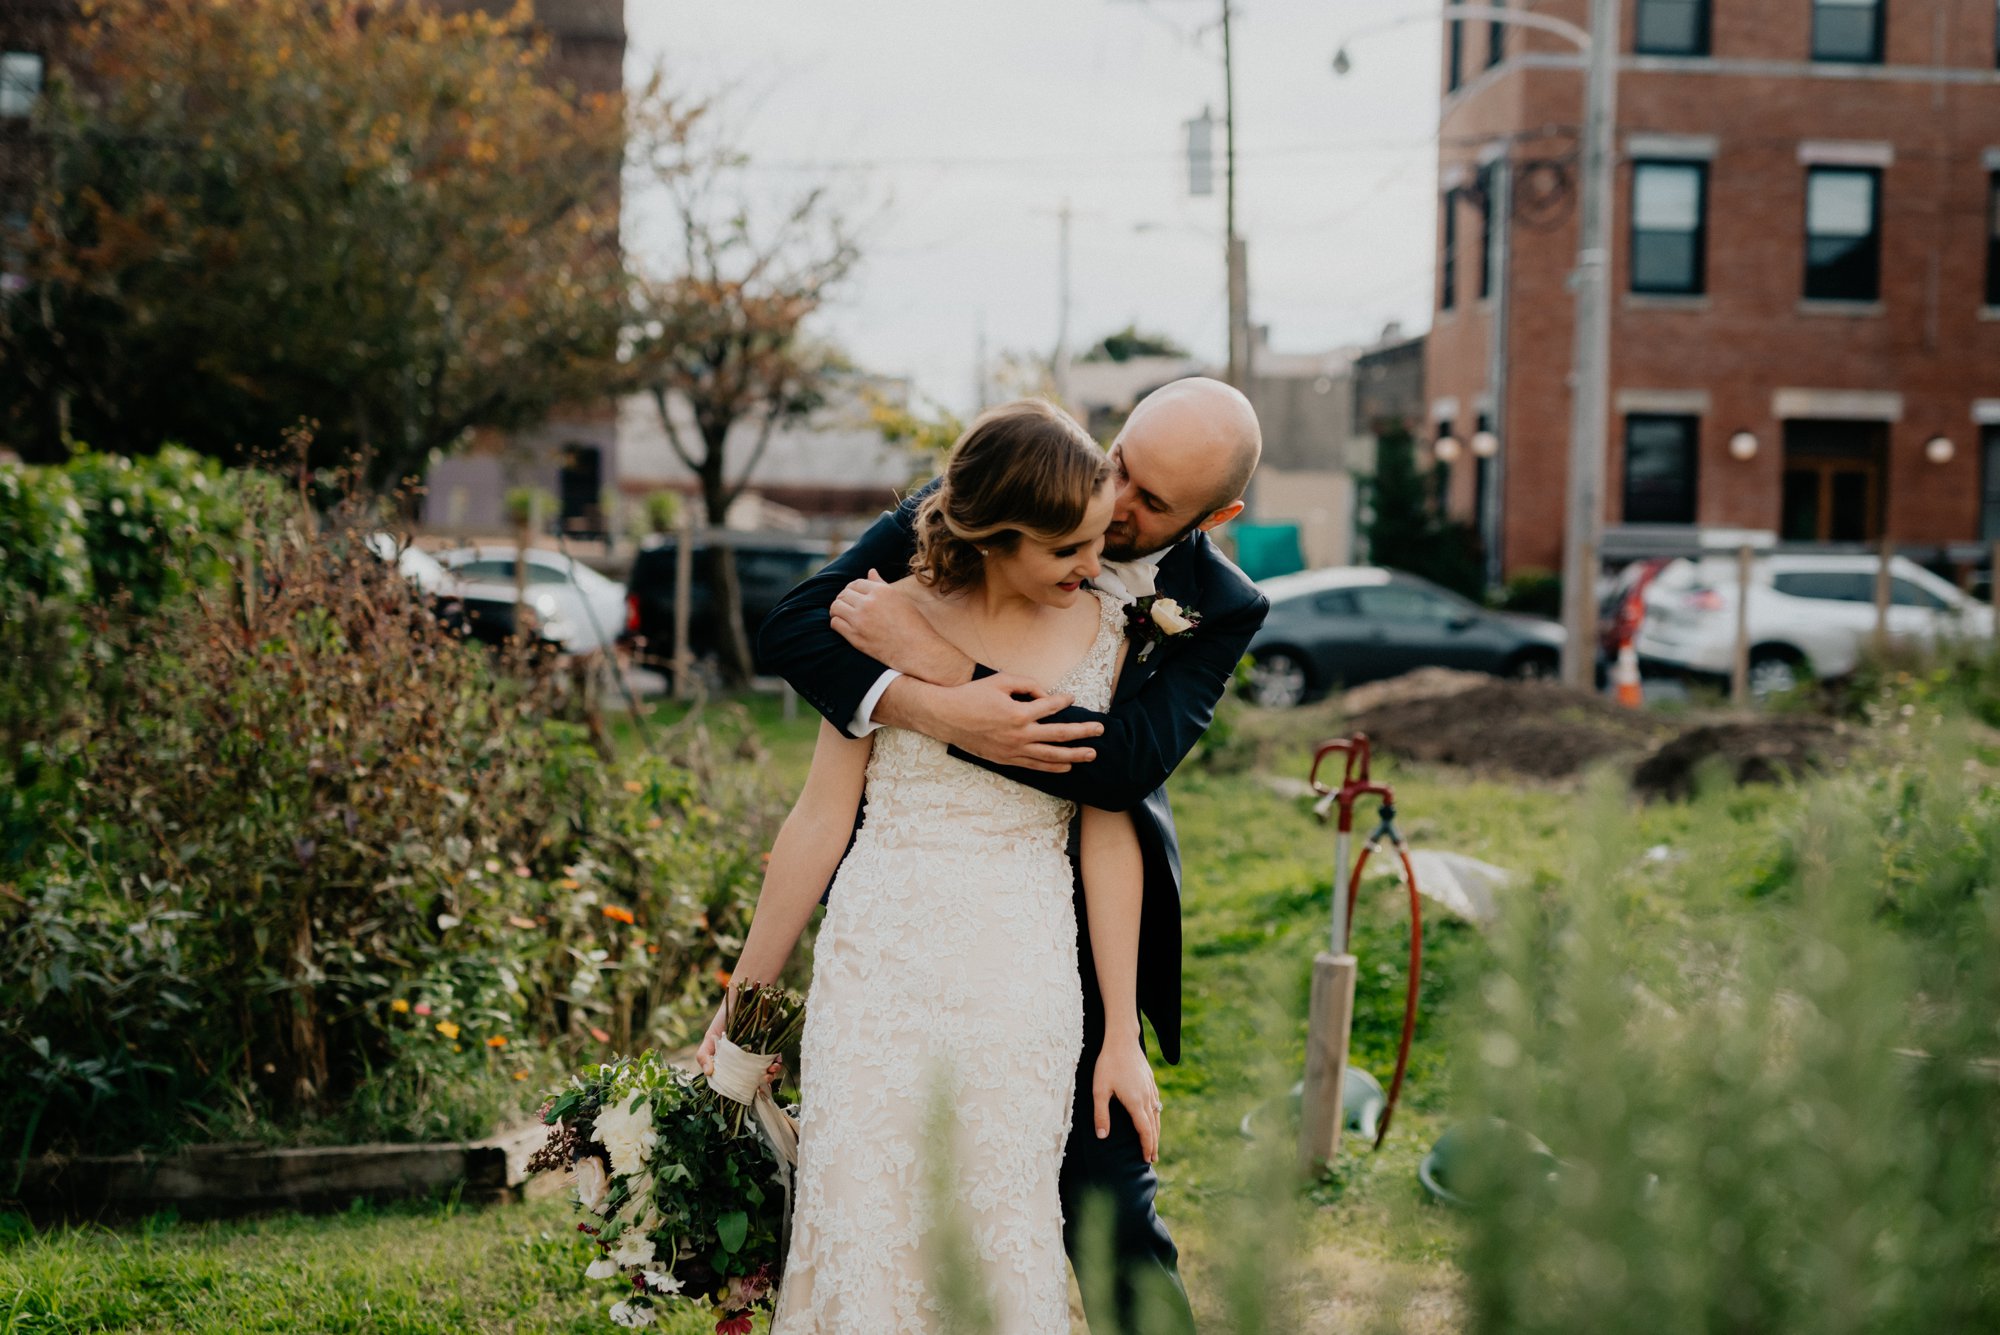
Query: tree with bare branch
725	341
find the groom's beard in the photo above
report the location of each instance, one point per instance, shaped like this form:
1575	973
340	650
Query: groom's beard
1121	541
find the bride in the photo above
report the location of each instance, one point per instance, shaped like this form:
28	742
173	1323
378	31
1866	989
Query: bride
944	1021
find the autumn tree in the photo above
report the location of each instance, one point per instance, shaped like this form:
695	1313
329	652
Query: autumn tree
364	212
721	345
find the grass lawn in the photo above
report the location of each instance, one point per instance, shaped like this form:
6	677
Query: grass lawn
1258	870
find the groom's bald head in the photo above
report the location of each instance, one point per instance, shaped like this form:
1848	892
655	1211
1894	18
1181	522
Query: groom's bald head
1182	462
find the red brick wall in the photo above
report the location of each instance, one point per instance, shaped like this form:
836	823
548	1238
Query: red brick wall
1749	336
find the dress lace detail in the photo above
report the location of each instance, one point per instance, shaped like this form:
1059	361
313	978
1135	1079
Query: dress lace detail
943	1028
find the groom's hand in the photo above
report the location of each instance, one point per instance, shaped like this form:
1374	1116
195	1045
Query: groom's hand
887	627
986	718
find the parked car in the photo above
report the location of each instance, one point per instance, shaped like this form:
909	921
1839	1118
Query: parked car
1352	624
1808	614
576	607
767	568
489	620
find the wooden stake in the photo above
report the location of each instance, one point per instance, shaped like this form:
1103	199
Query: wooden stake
1332	1017
1887	553
1739	668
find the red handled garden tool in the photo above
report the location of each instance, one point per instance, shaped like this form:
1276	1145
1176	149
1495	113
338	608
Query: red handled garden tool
1462	885
1332	1008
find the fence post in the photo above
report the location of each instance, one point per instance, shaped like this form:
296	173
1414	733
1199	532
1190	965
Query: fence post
1886	553
1739	667
683	591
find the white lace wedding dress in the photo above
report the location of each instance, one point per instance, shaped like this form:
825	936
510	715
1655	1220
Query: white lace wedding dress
943	1028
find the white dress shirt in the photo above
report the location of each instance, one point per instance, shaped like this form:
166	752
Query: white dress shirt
1127	581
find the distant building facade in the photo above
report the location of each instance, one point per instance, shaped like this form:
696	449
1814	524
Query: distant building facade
1312	454
828	468
1805	265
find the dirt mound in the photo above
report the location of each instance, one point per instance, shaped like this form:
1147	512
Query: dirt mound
1536	729
1747	750
1424	684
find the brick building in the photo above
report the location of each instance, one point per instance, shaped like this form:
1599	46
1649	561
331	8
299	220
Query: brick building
1805	274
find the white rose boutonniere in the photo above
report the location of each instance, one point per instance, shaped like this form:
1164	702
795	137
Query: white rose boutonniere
1168	617
1156	618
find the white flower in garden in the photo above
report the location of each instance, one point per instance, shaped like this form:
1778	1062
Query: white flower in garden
1167	616
633	1248
592	1184
602	1268
660	1280
627	1136
633	1314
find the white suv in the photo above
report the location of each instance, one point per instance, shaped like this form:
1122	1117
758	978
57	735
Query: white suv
1808	614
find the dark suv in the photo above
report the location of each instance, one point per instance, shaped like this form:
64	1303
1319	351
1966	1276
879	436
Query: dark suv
767	568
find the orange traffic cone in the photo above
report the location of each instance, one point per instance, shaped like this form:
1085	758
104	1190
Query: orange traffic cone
1625	678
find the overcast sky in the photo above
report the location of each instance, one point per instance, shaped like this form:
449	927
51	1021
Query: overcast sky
959	128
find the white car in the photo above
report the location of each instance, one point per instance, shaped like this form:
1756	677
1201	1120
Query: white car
579	608
1808	614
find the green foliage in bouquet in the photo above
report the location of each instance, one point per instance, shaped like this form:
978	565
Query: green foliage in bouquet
693	1200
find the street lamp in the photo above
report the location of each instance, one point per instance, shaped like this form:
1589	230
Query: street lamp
1590	348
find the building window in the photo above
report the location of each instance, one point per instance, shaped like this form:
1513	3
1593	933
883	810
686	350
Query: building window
1448	278
1660	468
1669	227
1989	509
1993	238
1847	30
1843	234
1454	74
1486	256
1496	38
20	83
1672	28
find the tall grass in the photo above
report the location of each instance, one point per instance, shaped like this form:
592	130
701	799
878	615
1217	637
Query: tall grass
1775	1106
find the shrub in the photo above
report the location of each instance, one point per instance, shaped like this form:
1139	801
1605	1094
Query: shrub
1772	1117
309	865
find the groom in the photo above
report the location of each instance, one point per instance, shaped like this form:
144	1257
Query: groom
864	660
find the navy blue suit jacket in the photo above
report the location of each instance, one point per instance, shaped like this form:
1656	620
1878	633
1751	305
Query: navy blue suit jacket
1163	705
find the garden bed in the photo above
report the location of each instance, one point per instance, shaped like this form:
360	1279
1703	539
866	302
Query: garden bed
226	1181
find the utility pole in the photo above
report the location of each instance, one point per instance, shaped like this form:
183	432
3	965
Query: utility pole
1591	354
1236	258
1059	368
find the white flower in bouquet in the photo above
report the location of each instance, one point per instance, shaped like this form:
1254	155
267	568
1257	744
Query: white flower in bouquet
592	1183
602	1268
661	1280
633	1248
629	1313
627	1135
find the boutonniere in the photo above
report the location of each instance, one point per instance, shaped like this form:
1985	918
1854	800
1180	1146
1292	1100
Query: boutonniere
1155	618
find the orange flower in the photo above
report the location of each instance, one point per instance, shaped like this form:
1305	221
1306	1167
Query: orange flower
722	977
520	1075
497	1041
400	1006
618	914
652	949
599	1034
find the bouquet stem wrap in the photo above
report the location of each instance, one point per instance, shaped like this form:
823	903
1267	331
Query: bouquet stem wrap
744	1077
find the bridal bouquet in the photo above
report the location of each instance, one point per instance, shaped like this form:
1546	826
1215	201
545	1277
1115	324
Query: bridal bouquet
686	1179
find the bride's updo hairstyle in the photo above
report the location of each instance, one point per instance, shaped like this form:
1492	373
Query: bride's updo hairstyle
1024	467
